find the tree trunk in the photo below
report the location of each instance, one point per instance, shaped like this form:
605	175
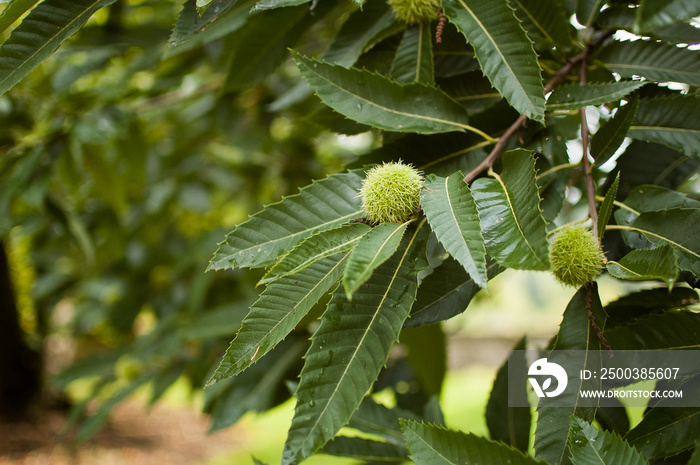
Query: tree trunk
20	366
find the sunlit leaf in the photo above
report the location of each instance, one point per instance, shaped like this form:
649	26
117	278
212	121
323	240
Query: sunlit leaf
504	51
40	34
13	11
318	246
350	347
449	206
372	99
433	445
373	249
573	96
325	204
589	445
509	210
280	307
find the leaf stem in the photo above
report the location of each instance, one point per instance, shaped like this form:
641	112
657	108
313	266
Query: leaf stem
554	169
556	79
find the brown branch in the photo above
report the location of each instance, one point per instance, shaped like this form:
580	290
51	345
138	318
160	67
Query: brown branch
590	186
556	79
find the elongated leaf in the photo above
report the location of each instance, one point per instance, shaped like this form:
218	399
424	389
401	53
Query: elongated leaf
665	431
449	206
192	31
446	293
261	45
279	227
427	356
372	250
645	264
545	19
655	13
504	51
589	446
365	449
40	34
606	208
669	330
13	11
655	61
573	96
575	333
676	227
647	302
433	445
587	11
610	136
695	459
374	418
362	30
372	99
620	16
509	209
274	315
413	61
510	425
274	4
350	347
472	90
672	121
318	246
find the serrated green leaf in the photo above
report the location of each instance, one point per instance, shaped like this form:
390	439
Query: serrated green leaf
192	31
40	34
261	45
661	331
545	19
509	210
665	431
413	61
372	99
365	449
655	13
504	51
648	301
613	417
373	249
13	11
449	206
655	61
574	96
575	333
360	32
587	11
606	208
611	135
510	425
646	264
672	121
280	307
676	227
262	5
433	445
350	347
255	389
591	446
268	234
620	16
374	418
446	293
320	245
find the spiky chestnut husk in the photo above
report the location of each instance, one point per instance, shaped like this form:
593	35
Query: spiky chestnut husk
575	257
415	11
391	193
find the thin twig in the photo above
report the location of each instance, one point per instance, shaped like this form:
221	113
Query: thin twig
587	171
556	79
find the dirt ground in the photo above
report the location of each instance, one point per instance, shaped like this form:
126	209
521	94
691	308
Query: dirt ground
135	435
